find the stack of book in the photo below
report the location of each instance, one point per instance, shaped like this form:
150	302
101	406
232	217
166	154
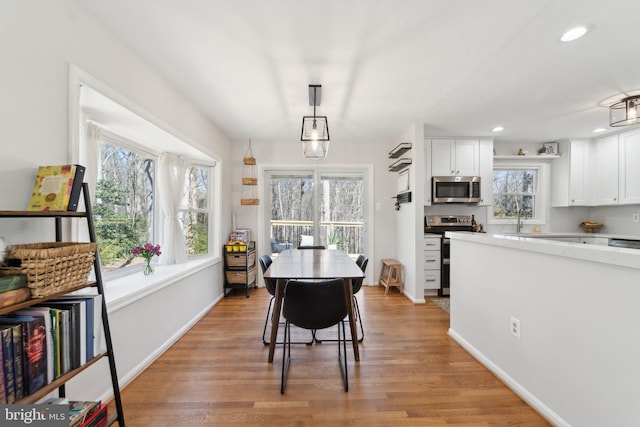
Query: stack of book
40	343
82	414
13	289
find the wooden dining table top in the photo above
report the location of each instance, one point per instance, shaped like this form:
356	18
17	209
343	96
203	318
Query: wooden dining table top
313	264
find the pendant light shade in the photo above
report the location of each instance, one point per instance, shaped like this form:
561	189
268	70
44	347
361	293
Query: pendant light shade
315	129
625	112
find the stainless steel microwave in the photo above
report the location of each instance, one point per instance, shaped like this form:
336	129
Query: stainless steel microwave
456	189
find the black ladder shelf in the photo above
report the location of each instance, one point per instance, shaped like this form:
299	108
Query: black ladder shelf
59	383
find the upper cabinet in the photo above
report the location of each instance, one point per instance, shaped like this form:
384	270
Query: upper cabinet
629	172
570	174
486	172
605	174
459	157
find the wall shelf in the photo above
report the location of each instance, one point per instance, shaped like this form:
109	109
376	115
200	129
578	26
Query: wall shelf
399	150
399	164
516	157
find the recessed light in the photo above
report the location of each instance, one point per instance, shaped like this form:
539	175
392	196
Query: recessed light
573	34
599	130
497	129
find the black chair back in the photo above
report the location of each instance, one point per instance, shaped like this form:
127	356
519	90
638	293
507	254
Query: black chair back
312	247
362	262
270	284
314	305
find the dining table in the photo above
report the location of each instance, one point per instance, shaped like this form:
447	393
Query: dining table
312	264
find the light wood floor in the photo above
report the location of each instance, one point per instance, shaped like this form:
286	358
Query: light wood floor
410	374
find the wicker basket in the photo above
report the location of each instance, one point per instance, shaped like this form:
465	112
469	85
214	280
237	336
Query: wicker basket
239	259
51	267
241	276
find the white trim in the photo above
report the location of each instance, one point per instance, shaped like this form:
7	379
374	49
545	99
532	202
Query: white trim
515	386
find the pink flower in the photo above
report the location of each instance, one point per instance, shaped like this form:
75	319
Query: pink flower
147	251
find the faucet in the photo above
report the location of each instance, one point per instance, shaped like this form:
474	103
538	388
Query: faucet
521	212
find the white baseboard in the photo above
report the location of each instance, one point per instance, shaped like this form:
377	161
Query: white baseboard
515	386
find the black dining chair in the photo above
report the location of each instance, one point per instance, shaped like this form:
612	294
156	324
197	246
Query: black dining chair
312	247
356	284
362	262
314	305
270	284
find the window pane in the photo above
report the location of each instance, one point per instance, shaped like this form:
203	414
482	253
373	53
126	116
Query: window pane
514	190
342	213
195	192
194	218
196	231
291	210
124	205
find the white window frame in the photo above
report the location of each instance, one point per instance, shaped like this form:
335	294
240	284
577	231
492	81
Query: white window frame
78	78
542	189
208	210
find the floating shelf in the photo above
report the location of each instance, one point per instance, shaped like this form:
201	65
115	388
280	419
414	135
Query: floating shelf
399	164
399	150
516	157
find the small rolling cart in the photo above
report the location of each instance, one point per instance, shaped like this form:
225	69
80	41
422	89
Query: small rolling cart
240	266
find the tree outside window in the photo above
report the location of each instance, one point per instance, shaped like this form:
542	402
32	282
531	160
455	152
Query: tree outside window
514	190
194	210
125	201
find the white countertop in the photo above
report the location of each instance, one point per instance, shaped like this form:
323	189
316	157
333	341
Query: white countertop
593	253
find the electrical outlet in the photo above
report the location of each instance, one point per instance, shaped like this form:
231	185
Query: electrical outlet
636	217
515	327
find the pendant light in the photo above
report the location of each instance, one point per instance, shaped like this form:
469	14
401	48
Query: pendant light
315	129
625	112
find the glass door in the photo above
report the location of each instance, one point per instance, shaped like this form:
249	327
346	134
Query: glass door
316	208
342	212
291	213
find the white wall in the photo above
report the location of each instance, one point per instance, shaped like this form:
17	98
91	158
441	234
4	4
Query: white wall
40	40
576	360
289	153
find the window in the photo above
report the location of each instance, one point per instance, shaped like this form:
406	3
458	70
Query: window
122	174
194	210
515	189
124	211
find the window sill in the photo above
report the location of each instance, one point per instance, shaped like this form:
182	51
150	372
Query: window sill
122	291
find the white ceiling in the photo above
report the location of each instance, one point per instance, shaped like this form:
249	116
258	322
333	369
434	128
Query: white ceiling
460	67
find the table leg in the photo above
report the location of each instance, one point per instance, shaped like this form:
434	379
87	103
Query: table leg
352	318
275	316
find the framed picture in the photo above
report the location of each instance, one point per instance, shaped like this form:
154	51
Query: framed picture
551	148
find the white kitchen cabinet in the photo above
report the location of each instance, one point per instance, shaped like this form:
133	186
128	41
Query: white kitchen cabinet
455	157
629	172
432	261
570	174
486	172
605	173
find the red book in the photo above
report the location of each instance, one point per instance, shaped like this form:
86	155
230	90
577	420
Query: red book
98	418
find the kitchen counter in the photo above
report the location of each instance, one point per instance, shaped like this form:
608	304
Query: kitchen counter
576	310
549	243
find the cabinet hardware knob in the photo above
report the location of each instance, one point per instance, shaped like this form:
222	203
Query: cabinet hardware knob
431	280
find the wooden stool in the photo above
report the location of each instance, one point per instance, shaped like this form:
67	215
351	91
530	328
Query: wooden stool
391	274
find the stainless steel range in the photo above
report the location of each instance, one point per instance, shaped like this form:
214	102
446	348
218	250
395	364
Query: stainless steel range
439	224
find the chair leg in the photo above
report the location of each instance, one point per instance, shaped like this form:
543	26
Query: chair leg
355	302
286	355
266	322
343	359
